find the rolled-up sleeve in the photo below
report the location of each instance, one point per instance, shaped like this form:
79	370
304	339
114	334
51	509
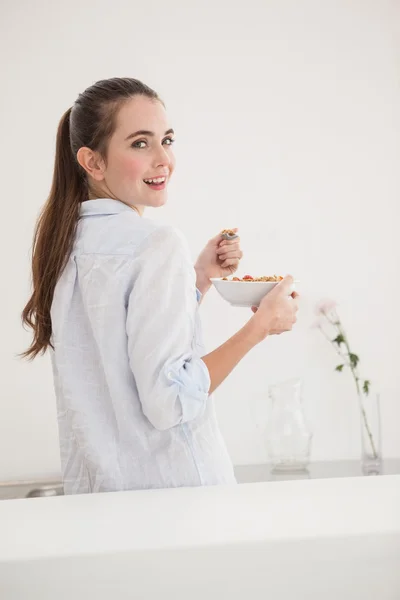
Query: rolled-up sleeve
171	378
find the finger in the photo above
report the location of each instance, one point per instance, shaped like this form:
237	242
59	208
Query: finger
230	262
225	246
228	253
295	296
286	285
232	254
236	241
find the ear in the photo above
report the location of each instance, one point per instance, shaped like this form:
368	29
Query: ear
92	162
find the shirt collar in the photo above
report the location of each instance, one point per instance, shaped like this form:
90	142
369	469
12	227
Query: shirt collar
104	206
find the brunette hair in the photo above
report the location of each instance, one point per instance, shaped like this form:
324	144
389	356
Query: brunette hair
90	122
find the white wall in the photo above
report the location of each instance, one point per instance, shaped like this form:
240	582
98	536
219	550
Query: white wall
288	127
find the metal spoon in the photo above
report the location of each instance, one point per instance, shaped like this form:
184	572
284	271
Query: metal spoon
228	236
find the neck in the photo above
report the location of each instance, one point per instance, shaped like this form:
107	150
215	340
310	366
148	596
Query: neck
139	208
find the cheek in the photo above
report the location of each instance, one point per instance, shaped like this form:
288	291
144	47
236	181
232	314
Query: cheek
130	168
172	162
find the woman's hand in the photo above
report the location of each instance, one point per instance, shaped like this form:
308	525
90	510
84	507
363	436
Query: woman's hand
219	258
277	311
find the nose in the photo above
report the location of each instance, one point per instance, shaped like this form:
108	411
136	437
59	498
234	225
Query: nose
162	157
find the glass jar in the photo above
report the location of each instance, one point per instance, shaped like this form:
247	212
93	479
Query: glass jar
370	417
288	435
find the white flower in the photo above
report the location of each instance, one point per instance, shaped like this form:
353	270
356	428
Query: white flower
324	307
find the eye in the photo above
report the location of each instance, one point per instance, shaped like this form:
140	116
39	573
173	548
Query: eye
137	144
169	140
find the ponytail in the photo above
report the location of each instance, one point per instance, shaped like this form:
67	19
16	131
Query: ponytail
53	238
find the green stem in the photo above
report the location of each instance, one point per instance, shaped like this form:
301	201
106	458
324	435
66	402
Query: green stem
337	348
336	323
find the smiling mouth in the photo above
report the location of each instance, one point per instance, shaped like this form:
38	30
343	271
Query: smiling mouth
155	181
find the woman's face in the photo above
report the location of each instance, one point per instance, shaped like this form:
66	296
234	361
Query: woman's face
140	160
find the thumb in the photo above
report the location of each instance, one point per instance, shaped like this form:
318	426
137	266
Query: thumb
286	286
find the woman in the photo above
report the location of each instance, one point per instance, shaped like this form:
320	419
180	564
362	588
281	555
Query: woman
115	299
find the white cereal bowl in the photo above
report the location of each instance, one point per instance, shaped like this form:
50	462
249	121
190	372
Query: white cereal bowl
243	293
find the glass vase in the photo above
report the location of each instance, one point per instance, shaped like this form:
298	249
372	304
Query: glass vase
370	420
288	435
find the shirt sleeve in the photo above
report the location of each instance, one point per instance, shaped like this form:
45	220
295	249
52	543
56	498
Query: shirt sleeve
171	378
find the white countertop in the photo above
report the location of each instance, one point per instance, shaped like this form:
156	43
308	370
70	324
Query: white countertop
197	517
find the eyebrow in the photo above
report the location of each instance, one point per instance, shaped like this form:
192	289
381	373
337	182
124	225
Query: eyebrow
145	132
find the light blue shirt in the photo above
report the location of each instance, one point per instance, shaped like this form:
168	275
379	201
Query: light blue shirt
132	390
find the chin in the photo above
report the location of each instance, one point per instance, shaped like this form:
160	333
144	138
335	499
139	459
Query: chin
158	201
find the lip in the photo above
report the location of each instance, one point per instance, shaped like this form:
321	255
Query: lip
157	186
